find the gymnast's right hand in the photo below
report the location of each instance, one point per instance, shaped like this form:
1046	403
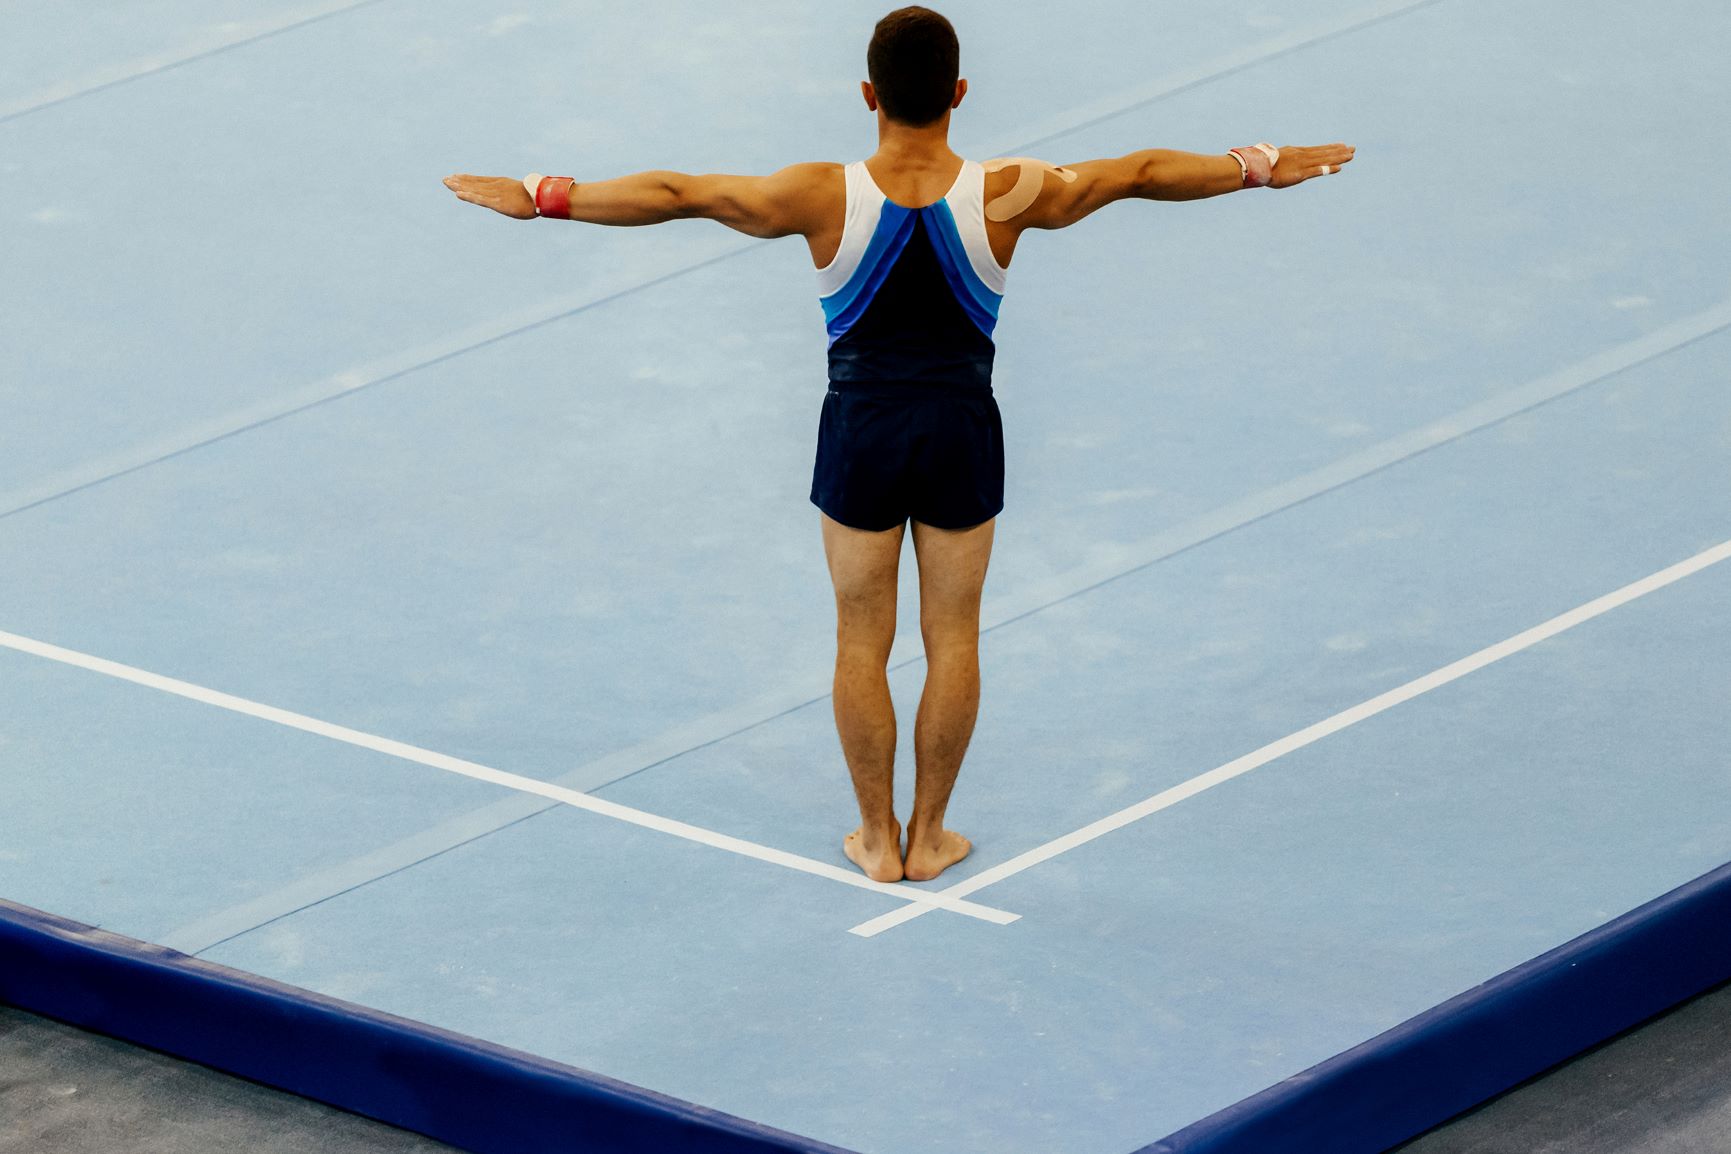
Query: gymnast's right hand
502	194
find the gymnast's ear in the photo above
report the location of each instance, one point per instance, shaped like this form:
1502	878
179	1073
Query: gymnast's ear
871	96
961	91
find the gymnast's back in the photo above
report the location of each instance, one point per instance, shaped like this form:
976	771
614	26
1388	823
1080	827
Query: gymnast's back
912	292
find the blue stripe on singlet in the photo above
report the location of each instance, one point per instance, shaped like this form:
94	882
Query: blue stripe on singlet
847	304
976	299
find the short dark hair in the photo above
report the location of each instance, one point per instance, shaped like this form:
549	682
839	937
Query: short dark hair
913	61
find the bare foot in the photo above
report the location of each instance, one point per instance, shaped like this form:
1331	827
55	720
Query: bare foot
883	861
928	858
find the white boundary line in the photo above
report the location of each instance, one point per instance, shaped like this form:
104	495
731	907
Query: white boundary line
571	797
215	928
999	611
1310	734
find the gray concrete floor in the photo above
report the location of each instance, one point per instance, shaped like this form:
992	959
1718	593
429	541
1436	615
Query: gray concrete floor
1663	1088
65	1091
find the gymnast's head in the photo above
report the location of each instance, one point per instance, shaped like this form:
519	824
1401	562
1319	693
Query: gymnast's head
914	64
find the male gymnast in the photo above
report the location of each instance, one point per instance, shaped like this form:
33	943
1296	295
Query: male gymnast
911	247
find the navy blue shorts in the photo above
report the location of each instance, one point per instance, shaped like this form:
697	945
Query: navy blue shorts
888	451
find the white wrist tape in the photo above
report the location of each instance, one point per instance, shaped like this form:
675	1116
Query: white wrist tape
1257	162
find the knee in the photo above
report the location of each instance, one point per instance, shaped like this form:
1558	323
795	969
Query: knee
951	637
862	652
864	635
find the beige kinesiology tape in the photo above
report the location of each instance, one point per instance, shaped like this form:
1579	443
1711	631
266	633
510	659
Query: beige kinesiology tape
1028	184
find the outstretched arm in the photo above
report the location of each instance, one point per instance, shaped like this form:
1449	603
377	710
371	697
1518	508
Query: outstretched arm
783	203
1165	174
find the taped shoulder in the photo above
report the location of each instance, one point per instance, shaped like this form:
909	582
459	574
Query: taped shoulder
1029	181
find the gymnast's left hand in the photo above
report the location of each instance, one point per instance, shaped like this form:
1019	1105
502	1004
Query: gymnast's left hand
502	194
1299	164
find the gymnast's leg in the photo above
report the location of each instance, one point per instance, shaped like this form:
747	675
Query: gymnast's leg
952	572
862	567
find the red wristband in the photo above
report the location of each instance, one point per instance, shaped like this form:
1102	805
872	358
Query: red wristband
553	197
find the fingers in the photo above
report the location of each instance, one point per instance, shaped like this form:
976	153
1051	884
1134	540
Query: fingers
470	188
461	182
1311	172
1333	155
503	194
1299	163
1312	161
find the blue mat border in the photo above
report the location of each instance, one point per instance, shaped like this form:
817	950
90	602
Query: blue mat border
1494	1036
469	1093
493	1100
